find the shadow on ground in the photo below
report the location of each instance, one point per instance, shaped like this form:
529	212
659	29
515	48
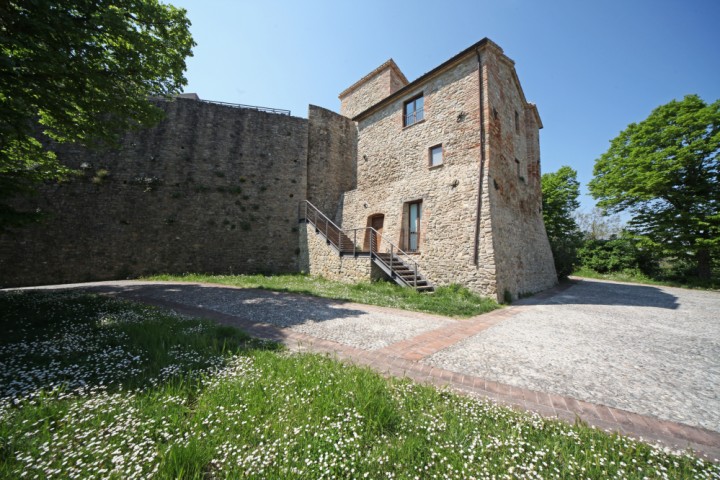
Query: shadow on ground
592	292
258	306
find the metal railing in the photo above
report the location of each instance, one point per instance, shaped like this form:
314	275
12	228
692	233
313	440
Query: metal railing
250	107
381	250
384	251
323	224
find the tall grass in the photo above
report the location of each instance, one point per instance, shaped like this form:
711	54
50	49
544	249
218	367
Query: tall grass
454	300
92	387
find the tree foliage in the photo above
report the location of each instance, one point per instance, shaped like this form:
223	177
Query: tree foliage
81	71
560	192
664	171
619	253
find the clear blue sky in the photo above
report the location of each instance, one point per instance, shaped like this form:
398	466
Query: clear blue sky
592	67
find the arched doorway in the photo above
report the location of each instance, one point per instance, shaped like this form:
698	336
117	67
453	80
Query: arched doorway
372	240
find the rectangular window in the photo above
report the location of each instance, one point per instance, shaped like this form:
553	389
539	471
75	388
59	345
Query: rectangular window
413	111
436	155
517	121
414	214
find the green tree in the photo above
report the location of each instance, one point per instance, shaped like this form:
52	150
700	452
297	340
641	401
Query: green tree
80	71
664	171
560	192
618	253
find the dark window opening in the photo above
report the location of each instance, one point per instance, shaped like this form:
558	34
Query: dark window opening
414	215
414	111
517	121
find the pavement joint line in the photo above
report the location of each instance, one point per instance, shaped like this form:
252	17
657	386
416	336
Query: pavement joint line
705	443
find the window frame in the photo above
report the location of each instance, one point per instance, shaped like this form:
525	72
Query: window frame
414	116
408	243
430	156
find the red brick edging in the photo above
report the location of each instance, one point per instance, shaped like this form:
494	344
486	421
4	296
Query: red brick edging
401	360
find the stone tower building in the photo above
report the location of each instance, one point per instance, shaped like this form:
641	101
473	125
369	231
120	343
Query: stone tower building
438	178
448	169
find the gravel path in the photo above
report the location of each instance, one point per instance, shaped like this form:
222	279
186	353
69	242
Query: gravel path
360	326
650	350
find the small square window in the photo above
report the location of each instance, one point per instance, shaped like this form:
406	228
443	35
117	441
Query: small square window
436	155
413	111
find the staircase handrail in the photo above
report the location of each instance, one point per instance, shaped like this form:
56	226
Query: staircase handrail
317	213
390	248
351	233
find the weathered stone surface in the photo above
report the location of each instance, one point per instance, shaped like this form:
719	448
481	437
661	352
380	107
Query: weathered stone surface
522	251
394	169
331	162
373	87
210	189
320	259
216	189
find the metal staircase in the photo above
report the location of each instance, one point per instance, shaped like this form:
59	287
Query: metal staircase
397	264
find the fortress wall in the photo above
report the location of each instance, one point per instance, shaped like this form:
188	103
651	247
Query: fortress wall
332	150
212	189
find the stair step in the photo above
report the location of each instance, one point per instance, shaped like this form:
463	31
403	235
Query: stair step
404	274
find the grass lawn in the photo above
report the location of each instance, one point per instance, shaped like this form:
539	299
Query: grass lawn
454	301
634	276
92	387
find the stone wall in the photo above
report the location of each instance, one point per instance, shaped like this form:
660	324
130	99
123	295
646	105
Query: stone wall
332	144
212	189
320	259
393	169
375	86
522	251
216	189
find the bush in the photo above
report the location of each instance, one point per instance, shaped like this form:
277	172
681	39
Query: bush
618	254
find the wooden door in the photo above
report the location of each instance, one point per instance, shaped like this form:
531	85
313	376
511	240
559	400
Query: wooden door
373	240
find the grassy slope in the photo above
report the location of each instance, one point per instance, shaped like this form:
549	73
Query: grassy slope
97	388
452	301
633	276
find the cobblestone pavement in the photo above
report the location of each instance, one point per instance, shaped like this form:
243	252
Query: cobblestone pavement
646	349
640	360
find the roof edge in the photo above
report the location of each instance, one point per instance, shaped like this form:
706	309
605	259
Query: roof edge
536	113
484	43
471	49
388	64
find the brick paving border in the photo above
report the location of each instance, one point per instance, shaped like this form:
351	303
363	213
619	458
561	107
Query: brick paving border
401	360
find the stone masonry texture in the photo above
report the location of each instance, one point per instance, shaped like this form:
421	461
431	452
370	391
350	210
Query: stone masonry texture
513	253
319	259
210	189
217	189
378	84
331	159
522	251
